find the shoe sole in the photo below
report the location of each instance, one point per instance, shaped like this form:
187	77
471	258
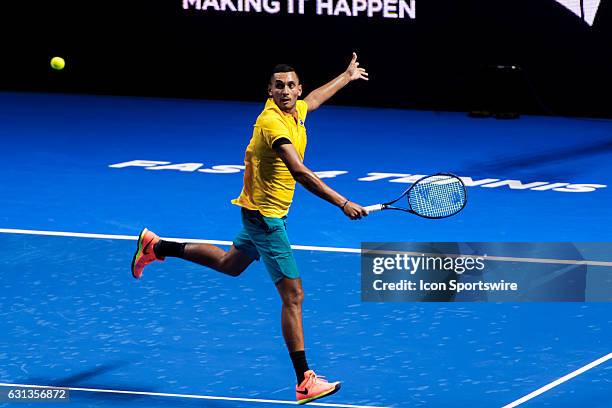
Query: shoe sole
325	394
138	252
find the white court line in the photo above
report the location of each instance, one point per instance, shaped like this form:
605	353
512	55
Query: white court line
163	394
559	381
135	237
310	248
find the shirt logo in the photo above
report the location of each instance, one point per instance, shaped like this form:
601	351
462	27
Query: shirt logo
301	122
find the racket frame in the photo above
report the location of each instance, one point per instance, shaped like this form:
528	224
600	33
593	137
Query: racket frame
388	205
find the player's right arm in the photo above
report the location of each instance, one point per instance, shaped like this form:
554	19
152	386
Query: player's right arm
314	184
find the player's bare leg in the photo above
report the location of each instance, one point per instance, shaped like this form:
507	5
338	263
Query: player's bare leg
309	387
232	262
292	296
150	248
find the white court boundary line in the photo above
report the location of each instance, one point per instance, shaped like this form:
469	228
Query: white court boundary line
135	237
559	381
192	396
307	247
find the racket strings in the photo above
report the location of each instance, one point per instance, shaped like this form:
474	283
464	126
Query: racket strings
437	196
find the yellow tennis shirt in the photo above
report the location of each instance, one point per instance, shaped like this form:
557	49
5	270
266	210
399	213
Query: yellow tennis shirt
268	184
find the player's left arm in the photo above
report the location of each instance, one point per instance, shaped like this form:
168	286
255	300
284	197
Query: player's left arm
320	95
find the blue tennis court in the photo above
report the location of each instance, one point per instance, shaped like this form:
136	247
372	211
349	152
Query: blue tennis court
105	167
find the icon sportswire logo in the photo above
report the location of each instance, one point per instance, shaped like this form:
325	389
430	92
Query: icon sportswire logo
407	178
585	9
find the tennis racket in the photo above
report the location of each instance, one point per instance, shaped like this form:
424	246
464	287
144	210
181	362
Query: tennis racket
438	196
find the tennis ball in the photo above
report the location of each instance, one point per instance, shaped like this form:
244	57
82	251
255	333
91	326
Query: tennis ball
58	63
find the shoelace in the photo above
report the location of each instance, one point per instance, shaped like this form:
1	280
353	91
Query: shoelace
316	378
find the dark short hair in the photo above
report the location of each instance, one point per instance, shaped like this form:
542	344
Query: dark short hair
282	68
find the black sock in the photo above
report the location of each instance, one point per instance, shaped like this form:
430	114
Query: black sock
169	248
298	358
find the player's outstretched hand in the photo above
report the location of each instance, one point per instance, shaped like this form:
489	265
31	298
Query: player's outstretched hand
354	71
354	211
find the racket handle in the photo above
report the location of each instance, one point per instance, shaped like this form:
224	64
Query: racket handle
374	208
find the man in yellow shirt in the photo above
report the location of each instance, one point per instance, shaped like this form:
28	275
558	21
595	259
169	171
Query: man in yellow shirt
273	163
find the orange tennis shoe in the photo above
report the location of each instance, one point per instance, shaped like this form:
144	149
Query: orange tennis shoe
314	387
144	252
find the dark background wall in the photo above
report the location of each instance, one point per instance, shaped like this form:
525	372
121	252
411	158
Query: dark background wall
441	60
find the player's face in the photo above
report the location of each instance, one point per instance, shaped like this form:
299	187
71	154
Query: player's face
285	89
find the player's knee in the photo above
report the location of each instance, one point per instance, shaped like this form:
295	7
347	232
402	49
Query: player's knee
294	297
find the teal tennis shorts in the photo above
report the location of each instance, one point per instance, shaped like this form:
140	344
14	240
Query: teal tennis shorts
266	238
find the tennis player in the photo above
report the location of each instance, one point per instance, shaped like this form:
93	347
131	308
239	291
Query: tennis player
273	163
